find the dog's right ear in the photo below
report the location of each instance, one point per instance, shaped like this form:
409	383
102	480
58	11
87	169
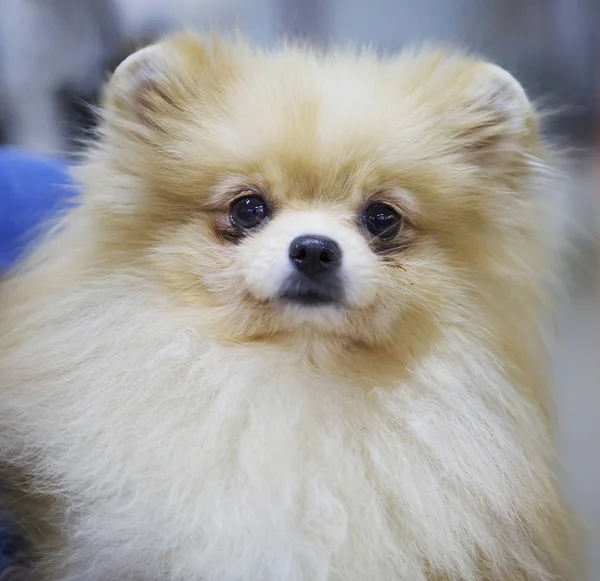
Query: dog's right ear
138	83
153	87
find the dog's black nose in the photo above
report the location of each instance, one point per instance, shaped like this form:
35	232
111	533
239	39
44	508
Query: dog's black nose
315	255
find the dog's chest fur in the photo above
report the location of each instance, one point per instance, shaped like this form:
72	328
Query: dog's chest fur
183	459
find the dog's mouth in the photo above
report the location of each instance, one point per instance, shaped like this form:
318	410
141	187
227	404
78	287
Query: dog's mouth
303	291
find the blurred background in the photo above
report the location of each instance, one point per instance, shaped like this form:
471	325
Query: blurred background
56	54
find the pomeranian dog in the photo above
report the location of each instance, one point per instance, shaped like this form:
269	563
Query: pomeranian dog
291	331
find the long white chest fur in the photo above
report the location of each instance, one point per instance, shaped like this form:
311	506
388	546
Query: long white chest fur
184	460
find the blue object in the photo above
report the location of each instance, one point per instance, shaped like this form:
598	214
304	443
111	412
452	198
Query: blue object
32	187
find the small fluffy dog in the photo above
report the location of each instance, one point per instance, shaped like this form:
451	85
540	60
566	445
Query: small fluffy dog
292	330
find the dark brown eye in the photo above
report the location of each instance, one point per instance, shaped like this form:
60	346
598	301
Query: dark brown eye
382	221
248	212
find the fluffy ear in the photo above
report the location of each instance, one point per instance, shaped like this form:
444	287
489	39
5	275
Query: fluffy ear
154	96
493	121
498	118
137	81
157	83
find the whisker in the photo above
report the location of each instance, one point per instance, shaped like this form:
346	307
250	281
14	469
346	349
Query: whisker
390	249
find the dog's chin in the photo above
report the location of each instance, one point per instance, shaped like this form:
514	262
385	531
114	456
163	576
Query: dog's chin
308	310
301	291
312	312
302	305
305	301
310	298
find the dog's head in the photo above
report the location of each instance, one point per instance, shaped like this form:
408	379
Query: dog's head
340	195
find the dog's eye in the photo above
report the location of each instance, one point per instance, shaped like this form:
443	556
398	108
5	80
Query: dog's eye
382	221
248	212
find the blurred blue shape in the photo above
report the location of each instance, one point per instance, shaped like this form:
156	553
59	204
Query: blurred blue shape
32	188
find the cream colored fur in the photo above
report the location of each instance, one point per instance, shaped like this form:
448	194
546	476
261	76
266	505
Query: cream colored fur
187	427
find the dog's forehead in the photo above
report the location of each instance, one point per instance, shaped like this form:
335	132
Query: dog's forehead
320	129
306	110
331	131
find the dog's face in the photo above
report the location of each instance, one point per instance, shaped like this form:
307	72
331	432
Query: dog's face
293	193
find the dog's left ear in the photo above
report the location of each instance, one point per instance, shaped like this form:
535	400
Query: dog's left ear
496	119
